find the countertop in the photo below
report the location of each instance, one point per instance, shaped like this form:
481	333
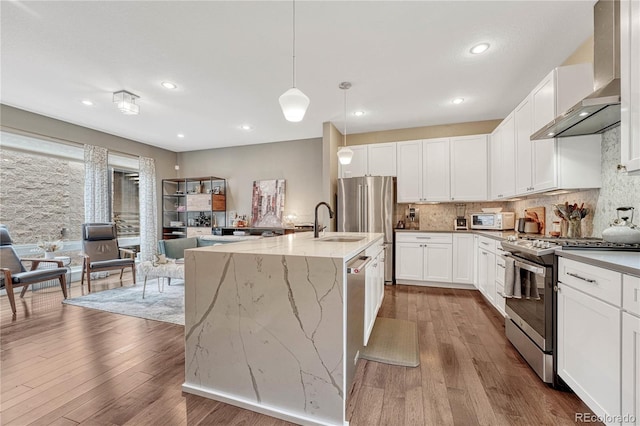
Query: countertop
621	261
301	244
496	235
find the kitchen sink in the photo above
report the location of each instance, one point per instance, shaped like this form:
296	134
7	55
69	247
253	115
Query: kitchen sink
341	239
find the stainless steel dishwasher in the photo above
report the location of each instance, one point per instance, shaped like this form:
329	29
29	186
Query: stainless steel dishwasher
356	272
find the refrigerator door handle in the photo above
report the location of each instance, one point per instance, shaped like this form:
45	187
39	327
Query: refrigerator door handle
366	209
360	212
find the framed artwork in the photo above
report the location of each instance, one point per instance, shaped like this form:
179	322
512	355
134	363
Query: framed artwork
267	203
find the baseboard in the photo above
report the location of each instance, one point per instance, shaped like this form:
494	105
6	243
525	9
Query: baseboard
254	406
436	284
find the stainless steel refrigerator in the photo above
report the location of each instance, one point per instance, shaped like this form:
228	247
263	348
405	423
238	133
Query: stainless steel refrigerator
365	204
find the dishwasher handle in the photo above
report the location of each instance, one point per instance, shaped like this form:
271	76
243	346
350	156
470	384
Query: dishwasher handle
358	264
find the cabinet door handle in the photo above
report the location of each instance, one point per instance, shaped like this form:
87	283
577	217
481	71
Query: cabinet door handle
484	253
484	243
423	238
635	294
502	266
589	280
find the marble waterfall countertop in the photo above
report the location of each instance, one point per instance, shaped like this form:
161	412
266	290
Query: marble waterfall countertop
303	244
266	325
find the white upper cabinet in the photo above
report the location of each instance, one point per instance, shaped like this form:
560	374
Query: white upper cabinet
469	172
409	180
555	163
382	159
371	160
630	84
502	159
523	123
423	170
435	170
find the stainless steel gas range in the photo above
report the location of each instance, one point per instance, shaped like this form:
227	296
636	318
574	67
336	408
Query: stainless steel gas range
531	318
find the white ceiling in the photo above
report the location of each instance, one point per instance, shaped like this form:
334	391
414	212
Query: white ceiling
231	61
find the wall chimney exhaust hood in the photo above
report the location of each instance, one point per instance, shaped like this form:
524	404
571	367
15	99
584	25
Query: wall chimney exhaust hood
600	111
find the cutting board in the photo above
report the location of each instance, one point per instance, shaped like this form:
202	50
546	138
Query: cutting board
537	213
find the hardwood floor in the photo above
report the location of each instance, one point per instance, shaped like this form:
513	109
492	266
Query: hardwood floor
66	365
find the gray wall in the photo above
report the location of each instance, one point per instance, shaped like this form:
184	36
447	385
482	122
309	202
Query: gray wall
14	119
298	162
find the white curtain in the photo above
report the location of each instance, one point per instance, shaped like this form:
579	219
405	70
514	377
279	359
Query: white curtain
148	208
96	184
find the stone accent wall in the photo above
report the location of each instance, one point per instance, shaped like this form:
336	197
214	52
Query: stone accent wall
39	196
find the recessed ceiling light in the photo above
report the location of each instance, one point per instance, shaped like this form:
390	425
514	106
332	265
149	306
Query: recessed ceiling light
358	113
457	101
246	127
169	85
550	134
583	114
180	135
479	48
87	102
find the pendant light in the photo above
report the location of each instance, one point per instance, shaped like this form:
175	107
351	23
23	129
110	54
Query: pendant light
345	154
293	102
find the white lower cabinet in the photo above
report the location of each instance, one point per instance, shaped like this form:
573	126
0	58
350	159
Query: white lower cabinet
463	258
631	350
589	335
422	257
630	369
438	262
487	274
499	301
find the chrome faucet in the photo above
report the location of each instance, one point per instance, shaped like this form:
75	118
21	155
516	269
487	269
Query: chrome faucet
316	231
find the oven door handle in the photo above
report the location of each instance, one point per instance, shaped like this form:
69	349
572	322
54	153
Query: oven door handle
529	267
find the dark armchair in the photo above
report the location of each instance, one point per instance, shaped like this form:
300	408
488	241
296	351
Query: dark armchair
101	251
14	273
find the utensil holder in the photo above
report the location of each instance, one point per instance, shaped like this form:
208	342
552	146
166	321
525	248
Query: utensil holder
575	228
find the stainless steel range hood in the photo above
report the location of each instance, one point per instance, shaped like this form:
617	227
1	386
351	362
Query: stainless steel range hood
599	111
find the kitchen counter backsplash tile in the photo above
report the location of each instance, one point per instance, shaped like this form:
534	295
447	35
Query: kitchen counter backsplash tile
588	197
441	216
618	189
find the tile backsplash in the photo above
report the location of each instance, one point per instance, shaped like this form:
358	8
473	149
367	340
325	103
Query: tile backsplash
618	189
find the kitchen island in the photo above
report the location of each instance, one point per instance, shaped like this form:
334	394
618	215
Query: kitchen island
267	324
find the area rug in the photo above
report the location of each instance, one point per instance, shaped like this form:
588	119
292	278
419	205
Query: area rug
393	341
167	306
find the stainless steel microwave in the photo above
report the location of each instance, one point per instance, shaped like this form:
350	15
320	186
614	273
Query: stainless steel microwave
493	221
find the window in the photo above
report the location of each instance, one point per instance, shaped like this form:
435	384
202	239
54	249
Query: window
42	193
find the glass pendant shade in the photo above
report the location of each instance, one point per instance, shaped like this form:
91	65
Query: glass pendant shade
294	104
345	155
